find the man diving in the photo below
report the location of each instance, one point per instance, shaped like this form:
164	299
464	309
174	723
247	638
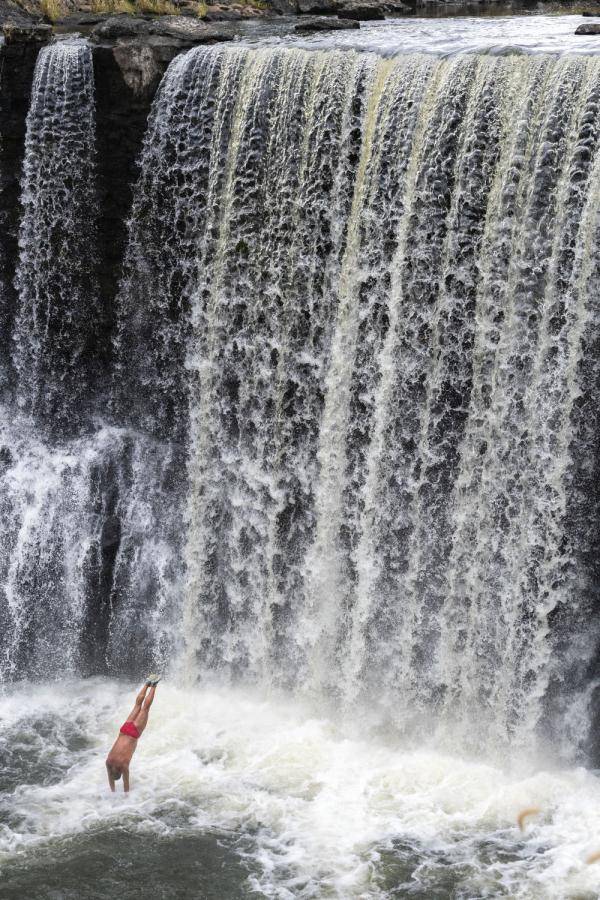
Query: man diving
117	761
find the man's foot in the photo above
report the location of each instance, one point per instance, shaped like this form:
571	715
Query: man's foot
152	679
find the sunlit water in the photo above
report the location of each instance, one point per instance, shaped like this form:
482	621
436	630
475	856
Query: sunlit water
237	796
503	34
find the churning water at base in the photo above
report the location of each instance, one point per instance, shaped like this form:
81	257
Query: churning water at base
238	796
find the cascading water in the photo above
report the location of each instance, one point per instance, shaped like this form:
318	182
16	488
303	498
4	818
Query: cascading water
383	279
59	311
89	568
341	457
87	554
364	289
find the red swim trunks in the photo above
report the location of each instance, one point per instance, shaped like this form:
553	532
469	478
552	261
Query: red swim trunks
130	729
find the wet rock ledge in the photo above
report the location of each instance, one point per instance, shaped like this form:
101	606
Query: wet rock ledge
143	47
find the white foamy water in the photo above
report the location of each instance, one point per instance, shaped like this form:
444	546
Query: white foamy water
460	34
324	810
57	509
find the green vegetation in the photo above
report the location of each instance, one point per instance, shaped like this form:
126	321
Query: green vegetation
156	7
52	9
202	7
113	6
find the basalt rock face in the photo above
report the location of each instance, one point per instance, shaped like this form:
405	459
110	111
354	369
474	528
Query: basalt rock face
184	28
313	24
143	62
11	13
143	47
122	106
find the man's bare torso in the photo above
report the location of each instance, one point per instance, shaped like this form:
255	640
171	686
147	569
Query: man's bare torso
121	752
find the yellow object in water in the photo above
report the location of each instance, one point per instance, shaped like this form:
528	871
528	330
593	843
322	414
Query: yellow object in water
524	814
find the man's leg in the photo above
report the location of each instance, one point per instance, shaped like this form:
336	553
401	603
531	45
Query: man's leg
141	720
138	704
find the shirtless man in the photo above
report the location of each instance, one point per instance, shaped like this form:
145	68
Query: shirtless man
117	761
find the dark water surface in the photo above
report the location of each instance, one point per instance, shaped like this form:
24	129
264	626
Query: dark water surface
119	864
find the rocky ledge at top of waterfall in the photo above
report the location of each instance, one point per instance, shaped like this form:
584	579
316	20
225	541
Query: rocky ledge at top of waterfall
20	17
142	45
145	43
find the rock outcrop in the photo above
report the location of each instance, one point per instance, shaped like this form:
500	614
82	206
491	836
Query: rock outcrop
23	12
588	28
183	28
142	63
143	47
312	24
10	12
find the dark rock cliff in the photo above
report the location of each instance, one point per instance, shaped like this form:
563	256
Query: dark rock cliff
121	114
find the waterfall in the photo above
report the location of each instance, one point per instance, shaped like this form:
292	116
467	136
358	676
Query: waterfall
90	568
350	448
59	315
369	298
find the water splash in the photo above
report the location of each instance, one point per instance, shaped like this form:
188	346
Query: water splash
89	572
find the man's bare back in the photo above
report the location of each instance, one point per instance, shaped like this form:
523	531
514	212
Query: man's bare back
117	761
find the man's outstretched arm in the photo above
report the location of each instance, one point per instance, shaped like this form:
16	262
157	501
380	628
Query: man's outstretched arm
126	780
111	780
